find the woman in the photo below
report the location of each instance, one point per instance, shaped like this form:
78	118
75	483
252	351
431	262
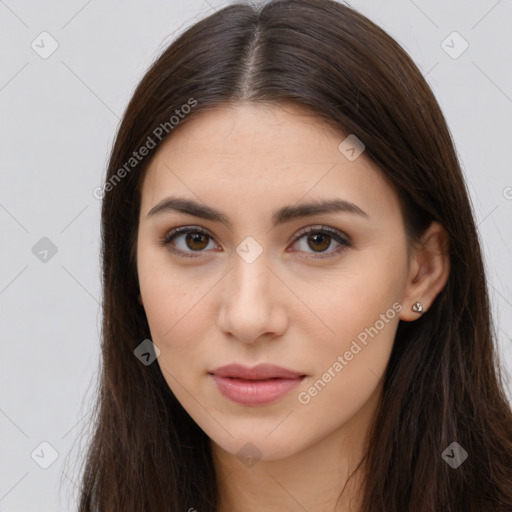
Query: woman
295	305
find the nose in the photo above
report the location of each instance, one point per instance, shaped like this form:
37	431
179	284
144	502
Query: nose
252	302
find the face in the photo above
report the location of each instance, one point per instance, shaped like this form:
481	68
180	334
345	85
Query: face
252	278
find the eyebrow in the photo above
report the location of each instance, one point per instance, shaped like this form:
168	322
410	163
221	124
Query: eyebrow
284	214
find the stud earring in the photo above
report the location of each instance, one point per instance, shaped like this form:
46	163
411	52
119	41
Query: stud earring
417	307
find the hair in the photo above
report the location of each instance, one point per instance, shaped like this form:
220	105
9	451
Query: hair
443	383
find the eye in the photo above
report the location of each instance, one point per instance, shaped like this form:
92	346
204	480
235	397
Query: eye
321	237
195	238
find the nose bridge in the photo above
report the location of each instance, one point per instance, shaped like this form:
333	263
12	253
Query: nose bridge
251	276
251	260
249	307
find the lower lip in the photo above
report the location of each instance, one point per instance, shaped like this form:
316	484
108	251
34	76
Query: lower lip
255	392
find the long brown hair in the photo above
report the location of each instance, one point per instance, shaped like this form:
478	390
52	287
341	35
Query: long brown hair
443	383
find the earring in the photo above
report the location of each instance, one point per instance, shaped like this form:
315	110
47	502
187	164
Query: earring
417	307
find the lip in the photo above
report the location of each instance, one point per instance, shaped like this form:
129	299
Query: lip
259	385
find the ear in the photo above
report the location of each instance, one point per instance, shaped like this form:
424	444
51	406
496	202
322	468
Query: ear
429	268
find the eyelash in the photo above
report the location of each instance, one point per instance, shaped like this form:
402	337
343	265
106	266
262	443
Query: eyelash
332	233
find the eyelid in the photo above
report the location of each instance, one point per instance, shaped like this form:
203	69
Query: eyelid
321	228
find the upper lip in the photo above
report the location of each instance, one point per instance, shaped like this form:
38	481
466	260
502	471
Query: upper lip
258	372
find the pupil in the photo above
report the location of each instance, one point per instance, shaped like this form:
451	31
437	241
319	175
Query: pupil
318	238
196	238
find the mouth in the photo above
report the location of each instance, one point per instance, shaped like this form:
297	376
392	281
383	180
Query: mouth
260	385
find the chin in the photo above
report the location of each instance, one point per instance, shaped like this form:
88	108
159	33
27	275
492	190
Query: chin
258	445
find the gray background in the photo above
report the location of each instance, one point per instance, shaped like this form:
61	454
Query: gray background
58	118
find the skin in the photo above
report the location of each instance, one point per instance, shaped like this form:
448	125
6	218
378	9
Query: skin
285	307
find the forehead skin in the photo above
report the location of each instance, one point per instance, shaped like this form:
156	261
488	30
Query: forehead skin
250	160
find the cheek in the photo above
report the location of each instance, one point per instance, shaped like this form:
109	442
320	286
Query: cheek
360	309
166	293
177	310
357	347
351	302
174	312
175	317
349	364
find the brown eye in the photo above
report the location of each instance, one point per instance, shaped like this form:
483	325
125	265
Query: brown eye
189	241
186	240
320	238
319	241
196	241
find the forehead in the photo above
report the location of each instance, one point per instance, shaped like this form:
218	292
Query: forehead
250	156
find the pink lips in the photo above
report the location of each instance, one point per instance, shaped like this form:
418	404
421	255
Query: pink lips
259	385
